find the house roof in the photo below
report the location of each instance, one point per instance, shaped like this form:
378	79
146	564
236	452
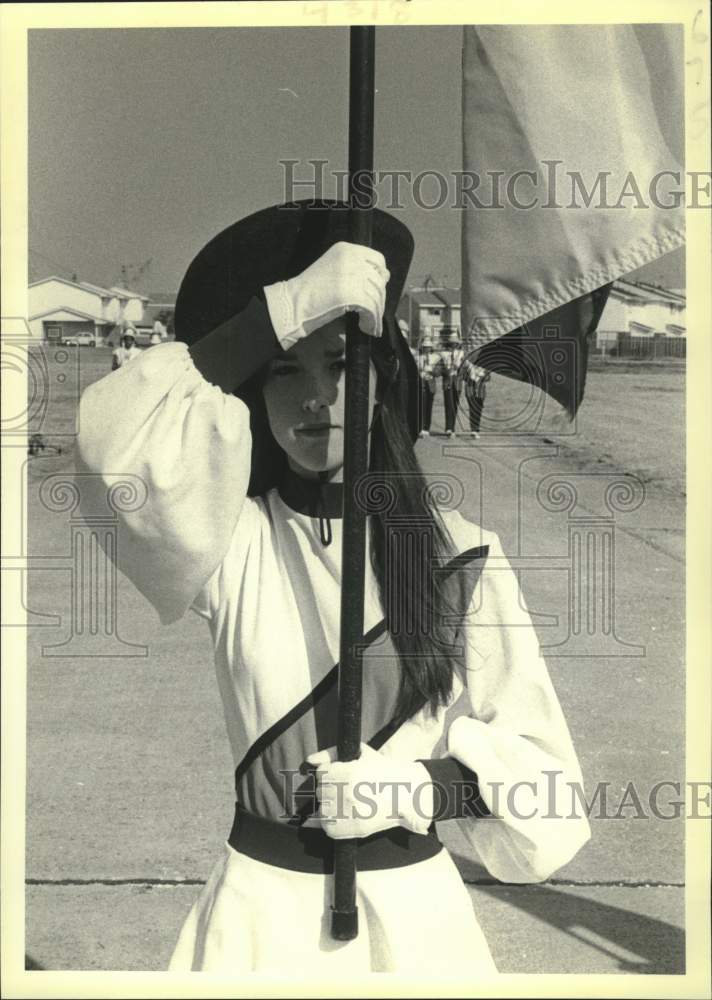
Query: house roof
642	290
126	293
73	312
87	286
66	281
95	288
437	298
164	299
450	296
153	310
426	299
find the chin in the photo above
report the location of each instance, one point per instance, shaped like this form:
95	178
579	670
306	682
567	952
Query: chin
320	457
317	464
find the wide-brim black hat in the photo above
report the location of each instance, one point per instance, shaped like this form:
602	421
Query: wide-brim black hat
276	244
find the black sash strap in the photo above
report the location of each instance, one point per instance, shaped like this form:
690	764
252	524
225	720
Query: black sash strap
305	705
304	795
310	850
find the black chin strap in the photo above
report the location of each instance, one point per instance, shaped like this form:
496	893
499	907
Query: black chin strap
318	498
325	533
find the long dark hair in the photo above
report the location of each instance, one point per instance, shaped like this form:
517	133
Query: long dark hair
409	543
408	539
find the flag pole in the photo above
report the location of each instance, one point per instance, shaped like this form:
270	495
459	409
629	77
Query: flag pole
344	918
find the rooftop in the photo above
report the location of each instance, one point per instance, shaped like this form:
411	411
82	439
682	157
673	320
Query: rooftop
87	286
425	298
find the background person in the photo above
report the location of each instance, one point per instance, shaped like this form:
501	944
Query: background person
452	357
158	333
126	351
474	380
428	367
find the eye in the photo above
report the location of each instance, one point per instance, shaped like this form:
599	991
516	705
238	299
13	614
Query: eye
282	370
339	366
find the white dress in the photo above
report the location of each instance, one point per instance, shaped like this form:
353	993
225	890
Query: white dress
258	572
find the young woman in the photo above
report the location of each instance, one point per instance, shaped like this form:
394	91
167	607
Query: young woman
237	433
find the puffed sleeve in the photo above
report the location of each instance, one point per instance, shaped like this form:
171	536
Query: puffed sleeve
188	443
514	737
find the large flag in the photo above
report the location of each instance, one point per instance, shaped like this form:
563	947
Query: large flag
572	149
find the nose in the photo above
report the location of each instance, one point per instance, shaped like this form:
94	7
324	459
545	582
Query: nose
313	404
319	395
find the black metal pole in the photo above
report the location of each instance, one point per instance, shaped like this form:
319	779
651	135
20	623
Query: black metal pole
344	921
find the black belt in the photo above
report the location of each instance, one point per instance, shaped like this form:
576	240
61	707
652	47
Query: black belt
309	849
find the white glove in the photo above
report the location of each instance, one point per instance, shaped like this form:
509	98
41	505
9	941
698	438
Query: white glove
374	793
346	278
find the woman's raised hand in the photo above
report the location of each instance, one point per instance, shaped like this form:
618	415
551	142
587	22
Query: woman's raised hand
346	278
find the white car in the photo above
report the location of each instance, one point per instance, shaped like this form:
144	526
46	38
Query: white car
80	340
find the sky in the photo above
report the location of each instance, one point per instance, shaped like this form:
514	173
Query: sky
145	143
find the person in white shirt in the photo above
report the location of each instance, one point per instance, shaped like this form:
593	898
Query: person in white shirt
452	358
237	432
475	379
158	333
428	361
126	352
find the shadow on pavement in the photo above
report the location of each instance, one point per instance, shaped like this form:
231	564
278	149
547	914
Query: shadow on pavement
655	947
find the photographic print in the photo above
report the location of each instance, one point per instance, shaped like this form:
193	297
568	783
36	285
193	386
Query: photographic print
356	501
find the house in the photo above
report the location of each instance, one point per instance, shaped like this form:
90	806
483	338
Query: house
642	320
60	309
430	311
639	320
158	316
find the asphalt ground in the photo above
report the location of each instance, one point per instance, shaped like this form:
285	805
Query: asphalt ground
129	775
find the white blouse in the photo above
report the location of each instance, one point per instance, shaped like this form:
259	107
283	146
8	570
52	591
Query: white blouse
258	572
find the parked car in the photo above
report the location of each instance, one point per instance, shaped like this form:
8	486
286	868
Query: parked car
80	340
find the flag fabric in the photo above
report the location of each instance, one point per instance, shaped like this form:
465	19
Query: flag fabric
572	151
550	352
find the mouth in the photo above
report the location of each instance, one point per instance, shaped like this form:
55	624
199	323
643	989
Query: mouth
315	430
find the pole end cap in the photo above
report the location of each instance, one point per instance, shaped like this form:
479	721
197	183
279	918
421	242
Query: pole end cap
344	924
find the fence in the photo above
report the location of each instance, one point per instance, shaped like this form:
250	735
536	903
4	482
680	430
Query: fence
648	348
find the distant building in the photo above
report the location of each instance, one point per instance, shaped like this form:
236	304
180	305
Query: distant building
641	320
158	316
63	310
431	311
60	310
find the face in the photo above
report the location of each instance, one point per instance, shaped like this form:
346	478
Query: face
304	395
